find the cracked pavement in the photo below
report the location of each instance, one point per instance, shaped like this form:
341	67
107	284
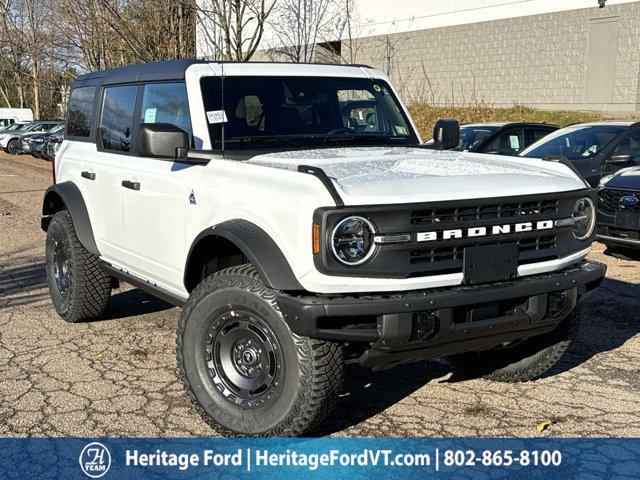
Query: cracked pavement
116	377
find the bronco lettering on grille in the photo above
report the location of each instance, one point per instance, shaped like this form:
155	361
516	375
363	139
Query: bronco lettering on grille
475	232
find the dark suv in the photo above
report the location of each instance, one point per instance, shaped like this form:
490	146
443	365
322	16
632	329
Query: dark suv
619	213
502	138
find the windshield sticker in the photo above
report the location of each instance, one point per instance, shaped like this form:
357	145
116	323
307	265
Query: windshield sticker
150	115
377	88
217	116
401	130
515	142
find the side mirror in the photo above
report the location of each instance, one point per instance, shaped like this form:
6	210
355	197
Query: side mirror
618	159
446	134
162	140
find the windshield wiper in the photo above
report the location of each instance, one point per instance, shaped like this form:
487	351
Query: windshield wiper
270	140
360	138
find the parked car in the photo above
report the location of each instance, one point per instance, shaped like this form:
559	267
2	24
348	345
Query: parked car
595	149
35	144
9	116
297	240
11	142
502	138
52	144
13	127
619	213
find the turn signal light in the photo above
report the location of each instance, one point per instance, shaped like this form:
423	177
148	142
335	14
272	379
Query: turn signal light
316	239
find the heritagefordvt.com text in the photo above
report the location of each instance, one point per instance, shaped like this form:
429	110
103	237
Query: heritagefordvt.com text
255	458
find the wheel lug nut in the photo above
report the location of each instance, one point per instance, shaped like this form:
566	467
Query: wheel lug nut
250	371
248	342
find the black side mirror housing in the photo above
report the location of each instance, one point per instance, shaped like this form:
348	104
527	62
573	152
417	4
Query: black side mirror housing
618	159
163	140
446	134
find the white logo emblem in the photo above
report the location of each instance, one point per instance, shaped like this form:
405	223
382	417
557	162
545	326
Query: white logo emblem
95	460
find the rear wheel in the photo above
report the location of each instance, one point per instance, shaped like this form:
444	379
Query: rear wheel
79	288
246	373
524	360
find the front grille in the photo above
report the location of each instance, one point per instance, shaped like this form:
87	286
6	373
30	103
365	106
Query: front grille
483	212
455	253
609	199
438	255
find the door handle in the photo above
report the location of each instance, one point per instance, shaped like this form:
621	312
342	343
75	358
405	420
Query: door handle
131	185
88	175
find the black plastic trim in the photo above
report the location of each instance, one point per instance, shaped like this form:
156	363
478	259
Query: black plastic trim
302	313
145	285
71	196
263	253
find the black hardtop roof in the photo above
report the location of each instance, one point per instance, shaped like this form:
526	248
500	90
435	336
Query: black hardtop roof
164	70
154	71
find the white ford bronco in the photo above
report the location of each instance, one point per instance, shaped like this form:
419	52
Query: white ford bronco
296	216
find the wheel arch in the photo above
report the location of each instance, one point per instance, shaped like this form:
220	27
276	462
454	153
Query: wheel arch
67	196
240	237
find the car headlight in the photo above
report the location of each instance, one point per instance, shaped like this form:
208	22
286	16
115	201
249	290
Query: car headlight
584	218
352	240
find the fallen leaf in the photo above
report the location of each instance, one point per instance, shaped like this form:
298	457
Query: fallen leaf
542	426
95	357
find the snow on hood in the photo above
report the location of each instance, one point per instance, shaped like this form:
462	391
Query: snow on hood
374	175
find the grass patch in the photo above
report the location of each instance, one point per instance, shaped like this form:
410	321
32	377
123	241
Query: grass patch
426	116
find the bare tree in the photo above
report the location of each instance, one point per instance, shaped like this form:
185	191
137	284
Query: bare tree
233	29
300	25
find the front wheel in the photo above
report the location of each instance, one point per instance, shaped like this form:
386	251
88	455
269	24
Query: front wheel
246	373
13	147
521	361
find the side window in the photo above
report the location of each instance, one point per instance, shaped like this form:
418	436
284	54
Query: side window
510	142
629	146
166	103
116	123
80	111
537	134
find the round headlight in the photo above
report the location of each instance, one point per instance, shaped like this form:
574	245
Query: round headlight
352	241
584	218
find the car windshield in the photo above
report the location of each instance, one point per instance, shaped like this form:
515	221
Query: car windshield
57	128
574	142
293	112
470	136
14	127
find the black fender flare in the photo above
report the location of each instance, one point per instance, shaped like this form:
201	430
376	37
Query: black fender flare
69	194
256	244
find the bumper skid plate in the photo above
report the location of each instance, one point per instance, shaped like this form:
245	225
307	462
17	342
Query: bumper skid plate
409	326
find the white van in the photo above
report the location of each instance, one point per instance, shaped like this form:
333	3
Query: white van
9	116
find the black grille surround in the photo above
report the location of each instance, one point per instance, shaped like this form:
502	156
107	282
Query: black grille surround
609	200
417	259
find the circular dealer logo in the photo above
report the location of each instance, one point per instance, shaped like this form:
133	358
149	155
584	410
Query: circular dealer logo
95	460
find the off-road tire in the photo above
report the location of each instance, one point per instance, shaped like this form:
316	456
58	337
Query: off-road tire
13	147
89	289
312	375
525	361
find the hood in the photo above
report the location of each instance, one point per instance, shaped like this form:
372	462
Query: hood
626	179
375	175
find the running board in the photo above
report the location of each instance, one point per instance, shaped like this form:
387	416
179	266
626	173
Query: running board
146	285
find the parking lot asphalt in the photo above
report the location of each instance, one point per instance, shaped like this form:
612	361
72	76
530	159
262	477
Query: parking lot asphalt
116	377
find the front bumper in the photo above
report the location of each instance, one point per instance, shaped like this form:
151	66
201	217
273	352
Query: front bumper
409	326
608	233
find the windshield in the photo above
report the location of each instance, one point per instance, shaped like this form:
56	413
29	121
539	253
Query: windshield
472	136
575	142
57	128
268	112
13	127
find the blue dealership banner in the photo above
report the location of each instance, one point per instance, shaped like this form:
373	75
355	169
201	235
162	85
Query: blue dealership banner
351	459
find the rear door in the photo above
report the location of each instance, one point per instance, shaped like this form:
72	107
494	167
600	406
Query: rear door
158	192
